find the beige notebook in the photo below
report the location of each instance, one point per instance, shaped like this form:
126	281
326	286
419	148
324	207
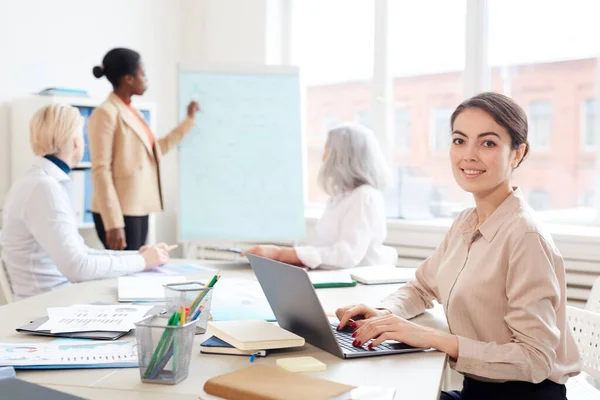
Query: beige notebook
254	335
261	382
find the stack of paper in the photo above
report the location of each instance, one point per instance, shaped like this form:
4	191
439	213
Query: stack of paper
89	317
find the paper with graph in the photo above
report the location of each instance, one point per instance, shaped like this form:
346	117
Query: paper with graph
74	355
240	169
89	317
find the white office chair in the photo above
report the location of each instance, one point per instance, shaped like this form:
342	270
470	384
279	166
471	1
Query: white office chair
593	302
585	327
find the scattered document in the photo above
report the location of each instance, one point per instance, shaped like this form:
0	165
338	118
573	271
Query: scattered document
176	269
70	355
147	288
89	317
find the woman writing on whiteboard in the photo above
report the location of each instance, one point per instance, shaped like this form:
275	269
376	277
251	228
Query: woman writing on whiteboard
353	226
126	156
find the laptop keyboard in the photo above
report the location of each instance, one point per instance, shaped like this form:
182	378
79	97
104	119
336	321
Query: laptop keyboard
345	339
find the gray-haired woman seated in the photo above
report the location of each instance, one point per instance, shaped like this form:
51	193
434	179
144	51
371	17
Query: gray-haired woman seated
41	245
353	226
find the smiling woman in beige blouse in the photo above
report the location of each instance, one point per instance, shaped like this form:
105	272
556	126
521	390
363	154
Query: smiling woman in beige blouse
497	274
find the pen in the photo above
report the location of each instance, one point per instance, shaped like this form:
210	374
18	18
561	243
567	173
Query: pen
196	314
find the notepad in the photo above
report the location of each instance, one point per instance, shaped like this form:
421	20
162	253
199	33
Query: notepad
379	274
330	279
254	335
301	364
133	288
214	345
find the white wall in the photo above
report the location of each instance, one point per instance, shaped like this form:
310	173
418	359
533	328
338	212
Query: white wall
56	43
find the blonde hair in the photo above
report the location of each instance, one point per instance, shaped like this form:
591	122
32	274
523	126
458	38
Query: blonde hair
52	127
354	158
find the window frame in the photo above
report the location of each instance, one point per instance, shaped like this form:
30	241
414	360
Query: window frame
476	79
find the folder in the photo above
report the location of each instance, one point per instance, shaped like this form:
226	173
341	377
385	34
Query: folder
31	328
262	382
214	345
254	335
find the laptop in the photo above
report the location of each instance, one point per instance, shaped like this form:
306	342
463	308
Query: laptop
297	308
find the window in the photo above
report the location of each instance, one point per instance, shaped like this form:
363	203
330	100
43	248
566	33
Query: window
538	199
540	125
551	73
439	138
553	76
333	43
588	199
589	124
329	122
428	79
364	118
402	128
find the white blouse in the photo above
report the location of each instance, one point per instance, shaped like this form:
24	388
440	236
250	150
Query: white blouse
350	233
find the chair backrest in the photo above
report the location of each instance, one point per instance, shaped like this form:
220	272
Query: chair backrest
585	327
6	293
593	302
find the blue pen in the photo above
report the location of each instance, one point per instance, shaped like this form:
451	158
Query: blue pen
196	314
253	357
162	362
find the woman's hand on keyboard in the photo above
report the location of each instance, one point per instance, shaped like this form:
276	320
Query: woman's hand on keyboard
392	327
356	315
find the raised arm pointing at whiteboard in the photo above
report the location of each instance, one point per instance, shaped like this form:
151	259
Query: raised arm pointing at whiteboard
126	156
353	226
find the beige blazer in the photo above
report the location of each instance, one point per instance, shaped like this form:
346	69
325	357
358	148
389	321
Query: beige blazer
125	168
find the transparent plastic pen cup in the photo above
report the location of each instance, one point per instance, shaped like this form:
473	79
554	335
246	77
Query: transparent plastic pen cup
193	296
164	351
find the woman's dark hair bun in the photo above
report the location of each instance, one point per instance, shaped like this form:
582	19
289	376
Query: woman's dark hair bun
98	72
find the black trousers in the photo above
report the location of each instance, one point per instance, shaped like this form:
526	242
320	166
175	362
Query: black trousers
515	390
136	231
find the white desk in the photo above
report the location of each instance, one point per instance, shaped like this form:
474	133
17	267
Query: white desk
415	376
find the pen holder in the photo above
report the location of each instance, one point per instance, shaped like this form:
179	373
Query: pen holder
164	351
193	295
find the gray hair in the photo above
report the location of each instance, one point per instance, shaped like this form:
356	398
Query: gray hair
354	158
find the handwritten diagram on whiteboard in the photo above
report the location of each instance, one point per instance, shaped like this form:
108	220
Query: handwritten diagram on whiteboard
240	168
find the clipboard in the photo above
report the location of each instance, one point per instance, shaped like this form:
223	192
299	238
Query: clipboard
31	327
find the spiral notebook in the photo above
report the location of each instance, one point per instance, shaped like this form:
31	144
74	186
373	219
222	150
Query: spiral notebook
69	355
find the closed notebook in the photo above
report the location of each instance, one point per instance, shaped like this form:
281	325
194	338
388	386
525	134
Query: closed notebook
254	335
262	382
214	345
379	274
330	279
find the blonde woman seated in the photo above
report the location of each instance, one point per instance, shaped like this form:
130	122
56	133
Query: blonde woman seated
353	226
41	246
